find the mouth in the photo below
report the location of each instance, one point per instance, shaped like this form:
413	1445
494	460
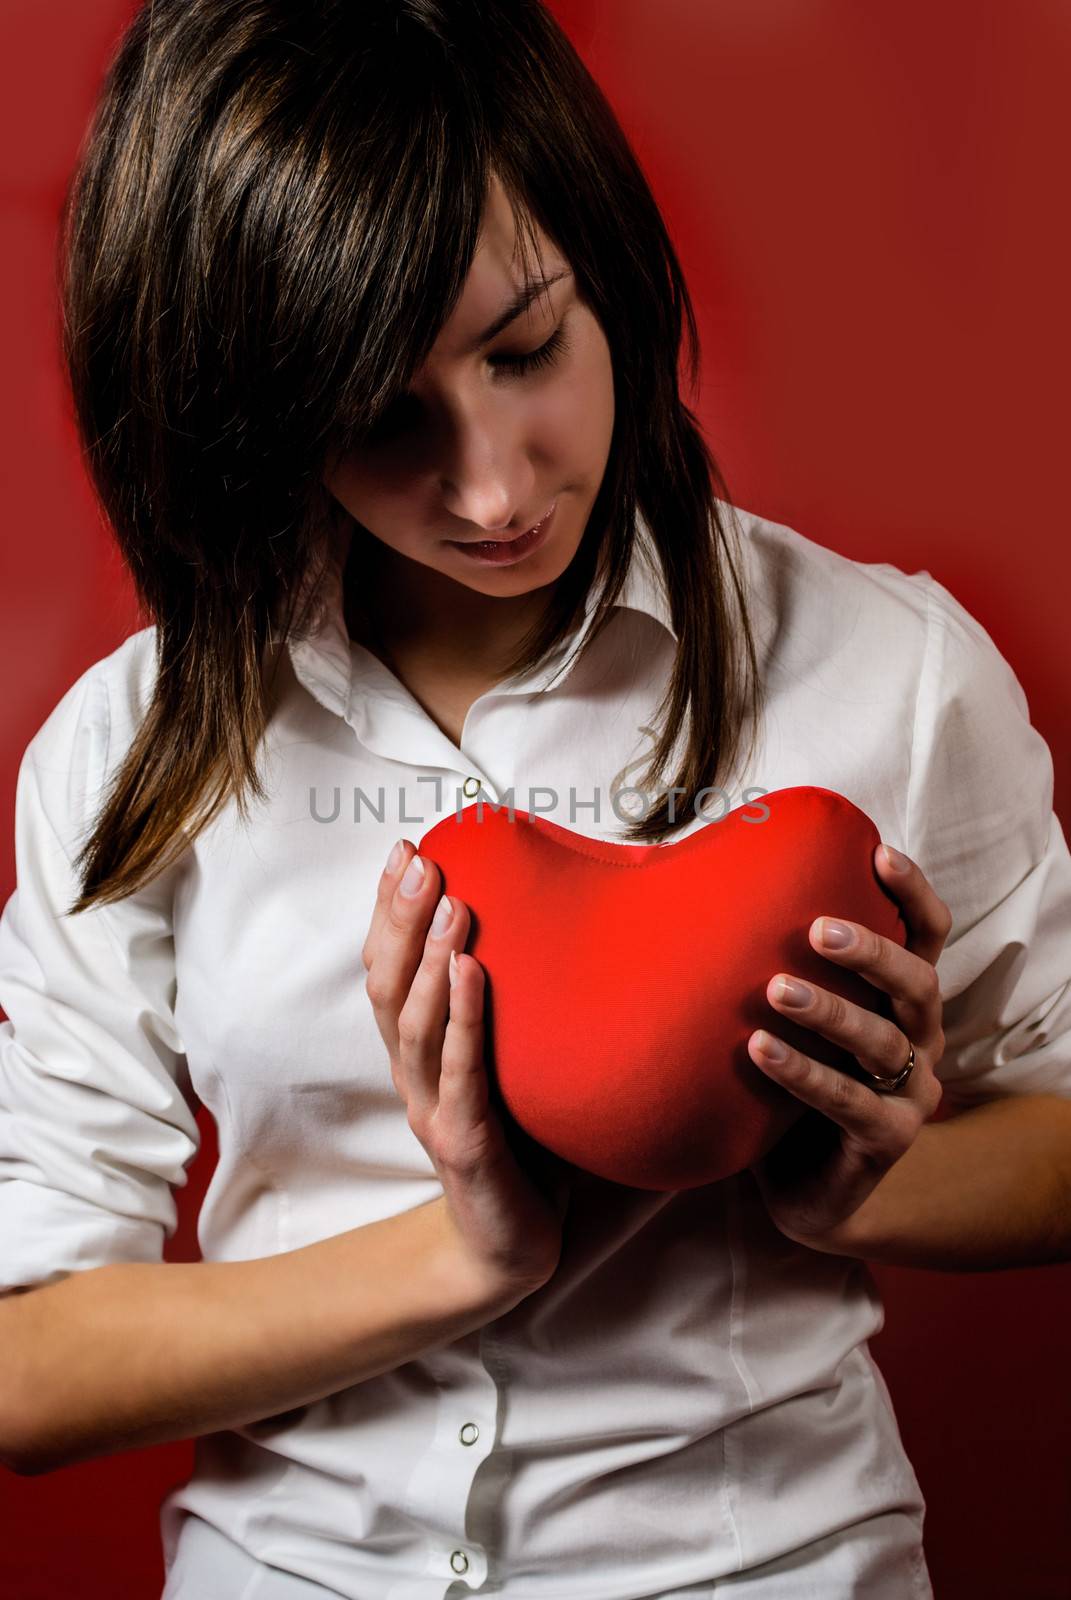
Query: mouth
502	551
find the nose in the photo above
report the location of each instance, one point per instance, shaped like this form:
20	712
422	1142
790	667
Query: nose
485	482
487	509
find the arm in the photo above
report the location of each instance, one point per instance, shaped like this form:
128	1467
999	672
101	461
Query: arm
984	1190
138	1353
988	1187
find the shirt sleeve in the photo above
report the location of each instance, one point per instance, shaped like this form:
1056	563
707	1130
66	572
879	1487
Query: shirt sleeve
95	1123
983	830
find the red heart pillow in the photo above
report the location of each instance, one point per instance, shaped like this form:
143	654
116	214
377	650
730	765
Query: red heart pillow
623	980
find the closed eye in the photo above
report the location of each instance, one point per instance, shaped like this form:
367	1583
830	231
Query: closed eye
400	413
531	359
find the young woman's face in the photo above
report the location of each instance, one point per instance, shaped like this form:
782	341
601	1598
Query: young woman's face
492	435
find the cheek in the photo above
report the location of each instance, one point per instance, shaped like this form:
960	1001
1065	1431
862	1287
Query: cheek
375	498
579	413
348	487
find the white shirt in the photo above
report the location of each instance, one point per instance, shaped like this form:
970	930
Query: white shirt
691	1395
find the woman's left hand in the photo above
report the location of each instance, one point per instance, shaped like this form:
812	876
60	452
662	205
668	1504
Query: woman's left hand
818	1175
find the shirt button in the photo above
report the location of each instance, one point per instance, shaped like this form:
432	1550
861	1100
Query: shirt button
470	787
469	1433
459	1561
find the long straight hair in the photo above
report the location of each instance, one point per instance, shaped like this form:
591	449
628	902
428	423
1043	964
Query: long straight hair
272	215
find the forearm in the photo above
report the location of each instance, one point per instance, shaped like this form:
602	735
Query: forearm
135	1354
987	1189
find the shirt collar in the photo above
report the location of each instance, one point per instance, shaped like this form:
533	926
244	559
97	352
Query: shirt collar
335	670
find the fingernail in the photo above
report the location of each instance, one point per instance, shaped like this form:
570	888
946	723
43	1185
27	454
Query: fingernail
444	912
791	993
897	862
834	935
454	969
414	877
394	860
770	1046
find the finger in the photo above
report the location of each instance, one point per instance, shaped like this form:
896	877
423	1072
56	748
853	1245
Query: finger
400	944
394	868
884	1125
928	918
907	977
876	1042
423	1018
463	1092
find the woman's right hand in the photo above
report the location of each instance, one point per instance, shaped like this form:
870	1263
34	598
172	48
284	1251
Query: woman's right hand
508	1226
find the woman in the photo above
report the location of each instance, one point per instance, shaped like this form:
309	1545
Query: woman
354	296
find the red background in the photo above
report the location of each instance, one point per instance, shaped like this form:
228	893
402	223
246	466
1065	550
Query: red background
867	203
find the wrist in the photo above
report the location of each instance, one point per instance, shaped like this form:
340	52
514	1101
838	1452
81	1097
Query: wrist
467	1278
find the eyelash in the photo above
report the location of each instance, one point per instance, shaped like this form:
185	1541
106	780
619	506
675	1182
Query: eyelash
545	356
547	353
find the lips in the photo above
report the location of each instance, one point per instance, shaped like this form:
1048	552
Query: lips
625	980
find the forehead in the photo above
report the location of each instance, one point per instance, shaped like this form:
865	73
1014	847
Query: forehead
496	268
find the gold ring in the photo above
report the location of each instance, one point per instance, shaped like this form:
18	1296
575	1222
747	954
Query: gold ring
890	1085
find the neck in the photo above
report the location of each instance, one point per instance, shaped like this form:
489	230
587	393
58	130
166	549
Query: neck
402	610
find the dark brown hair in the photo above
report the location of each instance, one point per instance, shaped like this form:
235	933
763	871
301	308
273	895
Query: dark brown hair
272	215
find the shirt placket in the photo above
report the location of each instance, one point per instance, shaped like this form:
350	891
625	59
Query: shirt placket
439	1488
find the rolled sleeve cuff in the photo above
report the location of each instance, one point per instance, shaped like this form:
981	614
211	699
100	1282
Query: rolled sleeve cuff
47	1235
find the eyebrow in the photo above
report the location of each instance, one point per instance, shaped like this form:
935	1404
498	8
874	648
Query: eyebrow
520	303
